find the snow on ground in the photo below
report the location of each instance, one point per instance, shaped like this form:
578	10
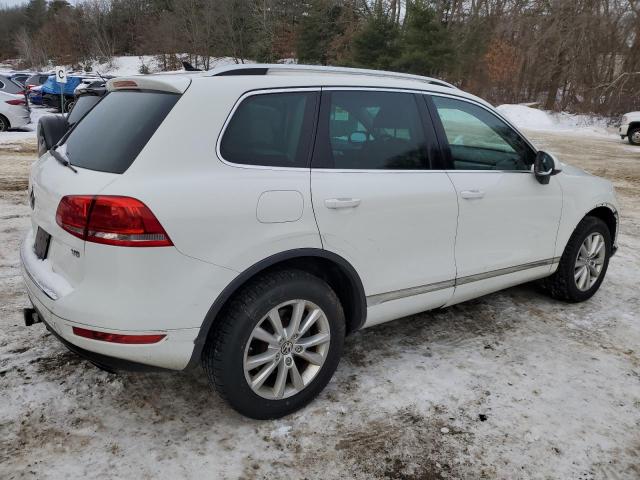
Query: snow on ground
528	118
23	138
511	385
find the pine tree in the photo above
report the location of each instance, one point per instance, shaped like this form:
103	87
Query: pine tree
425	43
316	32
376	45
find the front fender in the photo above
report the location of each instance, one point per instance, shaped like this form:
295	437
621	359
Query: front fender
581	194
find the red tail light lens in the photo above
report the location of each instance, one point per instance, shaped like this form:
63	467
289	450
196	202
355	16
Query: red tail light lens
111	220
16	102
117	337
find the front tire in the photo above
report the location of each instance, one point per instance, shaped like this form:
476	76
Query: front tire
584	262
277	345
634	136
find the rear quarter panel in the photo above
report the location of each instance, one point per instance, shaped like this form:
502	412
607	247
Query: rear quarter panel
208	207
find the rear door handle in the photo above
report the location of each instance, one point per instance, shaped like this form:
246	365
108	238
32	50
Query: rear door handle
471	194
342	202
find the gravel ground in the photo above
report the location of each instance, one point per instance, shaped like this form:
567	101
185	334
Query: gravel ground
512	385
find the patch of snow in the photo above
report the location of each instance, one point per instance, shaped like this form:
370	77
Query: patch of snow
528	118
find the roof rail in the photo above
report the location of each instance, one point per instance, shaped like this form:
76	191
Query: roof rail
266	68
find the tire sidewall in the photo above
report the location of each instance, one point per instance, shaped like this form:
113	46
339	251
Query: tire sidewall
595	225
630	135
239	393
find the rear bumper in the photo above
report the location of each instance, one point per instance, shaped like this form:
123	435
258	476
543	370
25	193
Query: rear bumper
18	117
172	353
104	362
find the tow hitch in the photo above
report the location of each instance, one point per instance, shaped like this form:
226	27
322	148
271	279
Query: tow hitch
30	316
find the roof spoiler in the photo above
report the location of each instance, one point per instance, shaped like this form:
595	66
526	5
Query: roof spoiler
170	84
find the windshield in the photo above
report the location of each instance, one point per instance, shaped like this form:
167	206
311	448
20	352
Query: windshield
114	132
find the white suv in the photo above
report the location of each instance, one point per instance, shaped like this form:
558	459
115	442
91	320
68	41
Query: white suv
250	217
630	127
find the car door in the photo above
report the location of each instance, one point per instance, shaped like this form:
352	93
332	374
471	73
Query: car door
508	221
377	202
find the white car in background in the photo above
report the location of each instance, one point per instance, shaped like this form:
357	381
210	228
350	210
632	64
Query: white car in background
630	127
14	111
248	218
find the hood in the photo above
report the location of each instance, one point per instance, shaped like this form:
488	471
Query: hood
573	171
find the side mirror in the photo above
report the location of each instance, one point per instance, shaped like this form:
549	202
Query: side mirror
358	137
51	128
544	167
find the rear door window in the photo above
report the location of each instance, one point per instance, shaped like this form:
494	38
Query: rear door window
112	135
367	130
271	129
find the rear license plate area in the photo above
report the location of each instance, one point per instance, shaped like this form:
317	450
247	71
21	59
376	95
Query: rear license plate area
41	245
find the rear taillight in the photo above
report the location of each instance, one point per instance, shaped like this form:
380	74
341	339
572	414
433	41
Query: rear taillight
17	101
121	221
117	337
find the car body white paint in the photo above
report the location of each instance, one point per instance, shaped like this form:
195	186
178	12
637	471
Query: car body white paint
626	121
18	115
416	242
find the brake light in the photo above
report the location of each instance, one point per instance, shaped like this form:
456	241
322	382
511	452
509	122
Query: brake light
17	101
125	84
111	220
117	337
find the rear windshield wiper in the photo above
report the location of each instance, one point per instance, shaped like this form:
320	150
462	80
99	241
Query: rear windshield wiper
62	160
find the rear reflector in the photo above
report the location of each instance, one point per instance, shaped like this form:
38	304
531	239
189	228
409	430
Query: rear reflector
117	337
111	220
16	102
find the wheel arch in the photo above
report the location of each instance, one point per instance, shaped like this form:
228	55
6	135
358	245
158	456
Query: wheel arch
6	120
609	215
332	268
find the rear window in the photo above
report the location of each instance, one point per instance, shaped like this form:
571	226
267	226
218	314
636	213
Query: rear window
81	107
112	135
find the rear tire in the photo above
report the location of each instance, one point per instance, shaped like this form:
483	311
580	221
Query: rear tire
581	271
235	356
4	124
634	136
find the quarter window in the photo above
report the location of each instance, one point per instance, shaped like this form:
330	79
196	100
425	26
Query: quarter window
274	129
478	140
370	130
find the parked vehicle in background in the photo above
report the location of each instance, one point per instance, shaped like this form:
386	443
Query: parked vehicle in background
36	79
249	217
91	83
14	111
20	77
51	128
630	127
7	85
34	95
51	91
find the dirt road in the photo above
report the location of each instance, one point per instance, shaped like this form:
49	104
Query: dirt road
513	385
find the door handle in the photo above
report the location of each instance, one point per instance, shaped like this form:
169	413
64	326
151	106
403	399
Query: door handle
342	202
471	194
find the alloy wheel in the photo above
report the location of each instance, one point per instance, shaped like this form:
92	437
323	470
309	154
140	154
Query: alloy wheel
589	261
286	349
